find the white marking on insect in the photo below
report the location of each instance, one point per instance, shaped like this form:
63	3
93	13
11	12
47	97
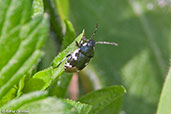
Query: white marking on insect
74	54
68	65
81	42
85	44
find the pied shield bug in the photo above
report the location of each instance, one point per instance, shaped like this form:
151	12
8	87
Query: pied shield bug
80	58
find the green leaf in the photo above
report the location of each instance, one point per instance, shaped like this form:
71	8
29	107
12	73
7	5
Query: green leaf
38	103
52	105
80	107
20	41
45	78
164	103
69	34
9	96
139	27
63	6
21	86
37	7
10	26
60	87
105	101
18	75
39	81
25	99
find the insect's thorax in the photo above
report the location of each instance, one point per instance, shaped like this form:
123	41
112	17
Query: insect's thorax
87	51
88	48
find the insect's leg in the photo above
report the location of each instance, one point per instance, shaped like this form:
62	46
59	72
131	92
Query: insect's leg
83	40
62	60
77	44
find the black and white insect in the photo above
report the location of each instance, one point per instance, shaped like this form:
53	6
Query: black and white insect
80	58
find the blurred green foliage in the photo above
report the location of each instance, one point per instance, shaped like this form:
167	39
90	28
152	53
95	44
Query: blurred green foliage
164	104
140	62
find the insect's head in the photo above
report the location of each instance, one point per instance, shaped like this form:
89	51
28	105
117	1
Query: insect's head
91	43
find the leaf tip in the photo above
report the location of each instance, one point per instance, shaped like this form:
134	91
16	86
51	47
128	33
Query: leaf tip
124	90
83	31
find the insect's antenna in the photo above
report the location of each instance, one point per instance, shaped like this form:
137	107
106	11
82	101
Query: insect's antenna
108	43
94	32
